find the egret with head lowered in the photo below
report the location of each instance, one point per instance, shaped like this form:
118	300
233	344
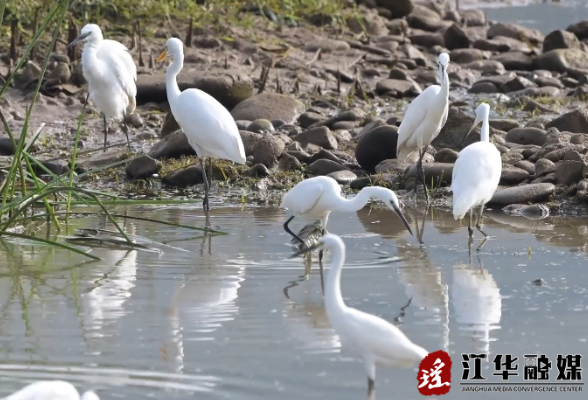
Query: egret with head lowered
476	172
111	74
424	118
377	341
208	125
317	197
51	390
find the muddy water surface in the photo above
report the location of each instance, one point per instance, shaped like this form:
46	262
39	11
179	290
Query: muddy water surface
232	317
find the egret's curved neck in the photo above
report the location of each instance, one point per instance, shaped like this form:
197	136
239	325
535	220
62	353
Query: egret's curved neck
333	298
444	81
485	130
90	52
171	84
359	201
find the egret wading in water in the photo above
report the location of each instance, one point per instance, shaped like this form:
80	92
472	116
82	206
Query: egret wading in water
51	390
377	341
111	74
476	172
209	127
317	197
424	118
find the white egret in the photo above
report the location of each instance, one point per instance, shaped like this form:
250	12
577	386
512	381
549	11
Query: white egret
51	390
424	118
209	127
377	341
476	172
111	74
317	197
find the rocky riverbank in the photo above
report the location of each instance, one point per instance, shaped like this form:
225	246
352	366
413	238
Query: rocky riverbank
311	98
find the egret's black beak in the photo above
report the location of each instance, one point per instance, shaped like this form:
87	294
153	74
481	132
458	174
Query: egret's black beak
401	216
78	39
307	250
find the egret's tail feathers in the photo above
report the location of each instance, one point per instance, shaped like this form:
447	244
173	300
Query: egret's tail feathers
132	105
463	203
403	152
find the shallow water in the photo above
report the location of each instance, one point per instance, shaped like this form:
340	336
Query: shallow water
543	15
213	322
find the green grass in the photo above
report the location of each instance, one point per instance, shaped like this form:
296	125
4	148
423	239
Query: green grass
23	190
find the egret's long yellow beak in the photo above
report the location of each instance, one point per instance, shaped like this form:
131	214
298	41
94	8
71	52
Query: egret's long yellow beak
162	56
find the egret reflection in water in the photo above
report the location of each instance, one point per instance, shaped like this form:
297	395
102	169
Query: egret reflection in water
477	303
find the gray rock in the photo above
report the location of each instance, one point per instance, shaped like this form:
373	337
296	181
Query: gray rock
142	167
573	156
515	31
7	149
575	121
457	125
515	61
384	180
532	193
267	150
569	172
483	87
229	87
308	118
503	124
446	156
134	120
561	60
103	159
513	176
511	157
527	166
397	88
455	37
439	173
392	165
580	29
261	126
289	163
559	39
249	140
465	56
174	145
320	136
376	145
325	167
189	176
527	135
259	170
543	166
398	8
300	155
343	177
57	167
269	106
326	155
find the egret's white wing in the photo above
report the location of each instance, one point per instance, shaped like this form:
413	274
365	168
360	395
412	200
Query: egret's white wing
303	197
415	113
376	336
209	125
476	174
46	390
123	53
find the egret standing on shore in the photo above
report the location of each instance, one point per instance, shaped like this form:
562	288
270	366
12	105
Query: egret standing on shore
111	74
377	341
423	120
209	127
51	390
476	172
317	197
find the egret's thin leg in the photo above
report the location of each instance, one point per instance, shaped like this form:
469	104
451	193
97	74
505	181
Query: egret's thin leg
422	155
126	129
479	224
210	171
287	229
105	130
321	253
371	387
482	244
470	229
205	179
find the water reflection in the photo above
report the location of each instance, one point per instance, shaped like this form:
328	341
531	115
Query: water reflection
477	303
